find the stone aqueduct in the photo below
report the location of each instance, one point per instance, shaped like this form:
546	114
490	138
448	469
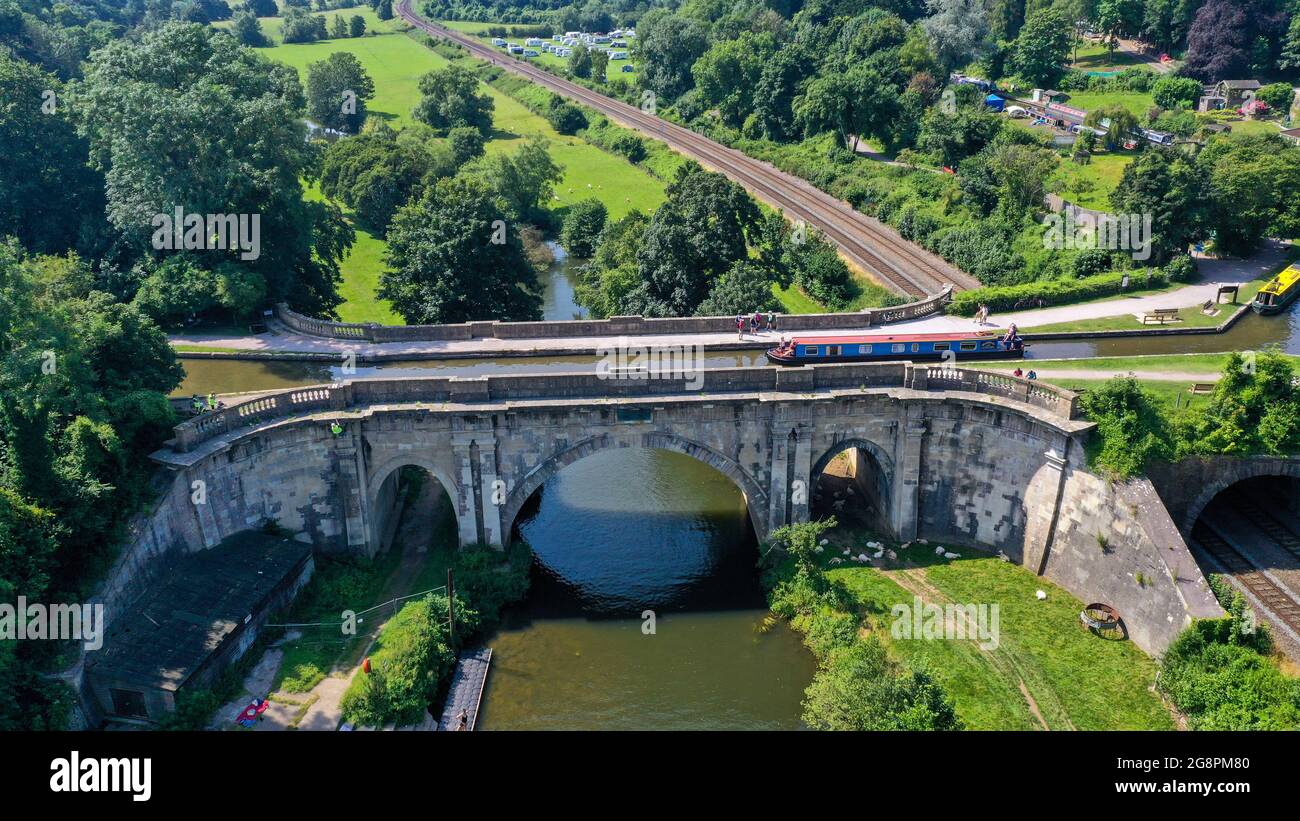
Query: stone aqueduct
960	457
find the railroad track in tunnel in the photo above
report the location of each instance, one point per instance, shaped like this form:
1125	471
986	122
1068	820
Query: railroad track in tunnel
1280	603
869	244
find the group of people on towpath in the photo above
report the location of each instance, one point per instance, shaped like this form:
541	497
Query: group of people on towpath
755	323
198	405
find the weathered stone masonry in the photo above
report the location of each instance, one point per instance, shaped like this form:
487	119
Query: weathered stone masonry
959	457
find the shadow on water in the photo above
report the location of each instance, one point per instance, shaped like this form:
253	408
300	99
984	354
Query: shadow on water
627	538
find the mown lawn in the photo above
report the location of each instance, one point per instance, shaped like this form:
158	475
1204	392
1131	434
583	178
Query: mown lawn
1101	174
1097	57
1076	679
1135	101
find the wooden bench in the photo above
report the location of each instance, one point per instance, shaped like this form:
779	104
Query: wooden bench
1161	315
1201	388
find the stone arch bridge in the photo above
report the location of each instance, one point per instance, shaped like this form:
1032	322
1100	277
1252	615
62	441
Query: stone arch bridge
960	457
958	454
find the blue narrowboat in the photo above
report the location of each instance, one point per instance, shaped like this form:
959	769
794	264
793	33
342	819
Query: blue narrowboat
886	347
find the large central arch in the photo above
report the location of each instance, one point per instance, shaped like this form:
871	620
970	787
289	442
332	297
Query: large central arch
755	498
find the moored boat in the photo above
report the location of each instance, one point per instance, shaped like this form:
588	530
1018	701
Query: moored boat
953	347
1280	292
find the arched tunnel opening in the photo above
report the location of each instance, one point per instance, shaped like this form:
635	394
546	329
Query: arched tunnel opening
850	484
1249	535
413	513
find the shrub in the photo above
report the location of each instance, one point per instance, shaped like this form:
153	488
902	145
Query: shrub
1278	96
582	226
1131	431
1223	686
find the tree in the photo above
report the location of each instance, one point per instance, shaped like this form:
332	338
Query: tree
599	64
727	74
338	27
248	30
1222	41
958	31
776	90
378	171
564	116
745	287
580	61
301	26
467	143
1117	121
1277	96
449	97
1175	92
1166	185
384	11
262	8
1118	17
337	91
667	46
452	258
1254	185
582	226
523	181
861	689
217	98
854	103
49	198
356	26
1042	46
692	239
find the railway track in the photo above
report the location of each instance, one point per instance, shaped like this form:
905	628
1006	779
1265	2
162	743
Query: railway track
1274	598
869	244
1278	533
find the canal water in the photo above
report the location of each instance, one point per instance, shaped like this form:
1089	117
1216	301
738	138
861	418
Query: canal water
627	540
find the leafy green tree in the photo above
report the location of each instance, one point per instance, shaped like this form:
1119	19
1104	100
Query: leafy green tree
524	181
1175	92
452	257
1131	431
694	237
1167	186
338	89
564	116
248	30
775	92
301	26
1117	120
262	8
217	98
450	97
582	227
862	689
49	198
338	27
1255	408
1278	96
958	31
378	171
384	10
467	143
745	287
580	61
728	73
1253	183
356	26
853	103
1042	46
667	46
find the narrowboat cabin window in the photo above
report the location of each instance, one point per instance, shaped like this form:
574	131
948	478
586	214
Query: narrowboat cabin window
812	350
832	350
969	346
941	346
916	346
988	346
898	347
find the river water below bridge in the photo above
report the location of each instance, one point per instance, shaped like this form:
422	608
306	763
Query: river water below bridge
618	536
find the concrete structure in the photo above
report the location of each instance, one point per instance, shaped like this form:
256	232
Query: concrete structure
961	457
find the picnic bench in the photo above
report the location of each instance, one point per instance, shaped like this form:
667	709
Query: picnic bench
1161	315
1201	388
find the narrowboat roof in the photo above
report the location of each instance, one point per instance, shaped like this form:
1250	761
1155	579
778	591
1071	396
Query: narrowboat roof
1283	281
857	338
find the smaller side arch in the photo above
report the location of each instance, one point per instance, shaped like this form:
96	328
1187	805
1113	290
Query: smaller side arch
381	474
884	484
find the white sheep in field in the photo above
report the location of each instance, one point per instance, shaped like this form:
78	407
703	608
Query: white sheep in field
938	551
952	555
877	554
846	552
893	557
837	560
824	542
1040	595
922	541
862	557
838	505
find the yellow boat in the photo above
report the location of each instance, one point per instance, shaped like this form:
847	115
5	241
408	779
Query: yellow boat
1279	293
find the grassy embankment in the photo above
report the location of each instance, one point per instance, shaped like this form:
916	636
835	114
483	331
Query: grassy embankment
1046	671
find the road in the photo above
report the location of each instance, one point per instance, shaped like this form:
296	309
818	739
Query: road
866	243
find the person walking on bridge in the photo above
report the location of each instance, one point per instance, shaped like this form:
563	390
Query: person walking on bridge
740	327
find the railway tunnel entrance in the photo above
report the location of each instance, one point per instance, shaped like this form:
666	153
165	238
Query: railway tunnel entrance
1249	534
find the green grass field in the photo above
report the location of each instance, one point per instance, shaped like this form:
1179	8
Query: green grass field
1135	101
395	62
1091	184
1096	57
1076	680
